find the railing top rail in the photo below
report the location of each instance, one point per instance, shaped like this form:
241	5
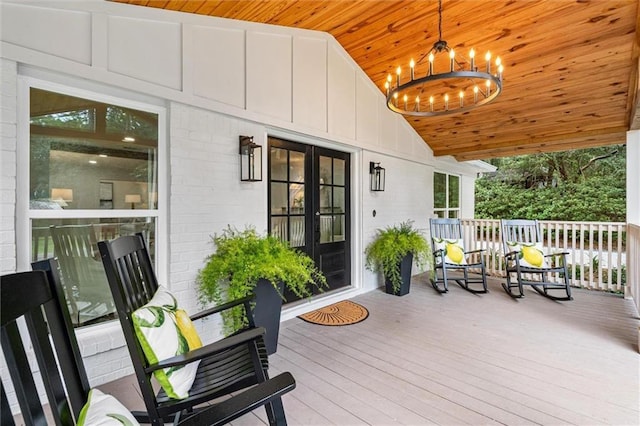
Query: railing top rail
560	222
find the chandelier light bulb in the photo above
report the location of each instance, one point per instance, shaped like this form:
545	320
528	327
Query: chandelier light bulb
405	101
431	59
472	56
431	102
488	84
417	103
461	95
500	69
398	71
411	65
487	58
446	102
452	56
498	61
475	93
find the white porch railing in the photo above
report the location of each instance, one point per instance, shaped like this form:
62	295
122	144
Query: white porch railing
597	250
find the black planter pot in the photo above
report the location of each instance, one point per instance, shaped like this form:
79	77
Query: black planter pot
405	274
266	312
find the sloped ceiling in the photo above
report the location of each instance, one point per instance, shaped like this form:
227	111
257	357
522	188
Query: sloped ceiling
571	77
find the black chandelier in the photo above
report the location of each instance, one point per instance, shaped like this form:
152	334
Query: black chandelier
459	89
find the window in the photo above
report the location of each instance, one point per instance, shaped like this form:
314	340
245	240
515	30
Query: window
93	175
446	195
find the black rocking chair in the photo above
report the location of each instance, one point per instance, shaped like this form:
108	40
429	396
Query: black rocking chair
451	229
227	366
515	233
38	297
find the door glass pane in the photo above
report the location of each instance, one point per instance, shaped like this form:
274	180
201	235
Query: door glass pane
325	199
279	200
326	228
439	190
74	243
338	200
296	166
278	164
325	171
454	191
338	171
280	228
296	198
297	231
338	228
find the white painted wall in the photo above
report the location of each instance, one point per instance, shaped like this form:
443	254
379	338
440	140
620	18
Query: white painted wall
633	218
218	79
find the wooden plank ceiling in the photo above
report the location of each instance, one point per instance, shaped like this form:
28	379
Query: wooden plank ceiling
571	67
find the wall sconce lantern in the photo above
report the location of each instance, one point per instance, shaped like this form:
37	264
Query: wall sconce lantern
376	173
250	160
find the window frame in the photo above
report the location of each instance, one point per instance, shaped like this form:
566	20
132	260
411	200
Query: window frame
24	215
446	211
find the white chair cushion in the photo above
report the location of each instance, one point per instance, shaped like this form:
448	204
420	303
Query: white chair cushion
530	255
453	250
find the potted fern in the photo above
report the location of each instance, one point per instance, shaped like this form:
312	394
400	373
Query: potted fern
393	251
246	262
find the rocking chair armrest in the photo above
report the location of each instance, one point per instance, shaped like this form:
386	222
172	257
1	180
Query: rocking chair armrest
242	403
474	251
511	254
439	252
212	348
564	253
223	307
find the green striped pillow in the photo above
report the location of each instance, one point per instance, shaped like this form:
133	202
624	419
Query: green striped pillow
161	338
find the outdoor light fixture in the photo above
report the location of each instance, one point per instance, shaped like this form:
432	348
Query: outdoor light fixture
376	174
250	160
461	87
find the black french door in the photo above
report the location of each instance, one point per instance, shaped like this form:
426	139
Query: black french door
309	199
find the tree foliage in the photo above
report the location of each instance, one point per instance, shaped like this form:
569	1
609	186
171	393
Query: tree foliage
580	185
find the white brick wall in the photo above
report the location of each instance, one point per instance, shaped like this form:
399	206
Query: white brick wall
8	103
206	194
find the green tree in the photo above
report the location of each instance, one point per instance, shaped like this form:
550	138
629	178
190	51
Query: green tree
580	185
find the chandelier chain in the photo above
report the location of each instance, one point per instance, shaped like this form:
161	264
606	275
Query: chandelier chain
439	19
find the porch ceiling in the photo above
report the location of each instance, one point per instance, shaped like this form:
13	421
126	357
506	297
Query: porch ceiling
571	76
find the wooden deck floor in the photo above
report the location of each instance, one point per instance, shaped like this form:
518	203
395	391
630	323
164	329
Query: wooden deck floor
462	359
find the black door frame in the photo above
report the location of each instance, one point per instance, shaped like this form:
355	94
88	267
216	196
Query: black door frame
312	245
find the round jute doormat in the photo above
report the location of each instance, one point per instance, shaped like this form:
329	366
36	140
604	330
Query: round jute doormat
345	312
